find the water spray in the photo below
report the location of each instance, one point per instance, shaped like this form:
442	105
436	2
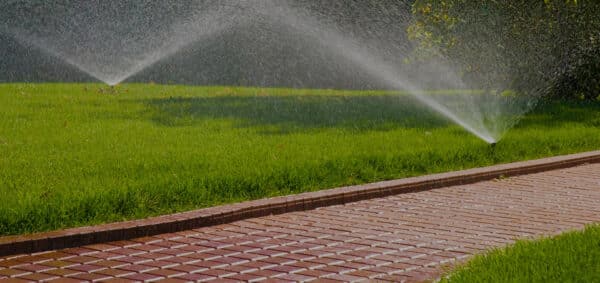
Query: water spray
115	49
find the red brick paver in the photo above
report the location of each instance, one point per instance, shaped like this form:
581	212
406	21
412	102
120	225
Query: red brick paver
404	237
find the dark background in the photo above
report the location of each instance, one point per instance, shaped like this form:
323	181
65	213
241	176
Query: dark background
252	55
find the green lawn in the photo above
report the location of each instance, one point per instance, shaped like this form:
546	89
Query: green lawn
72	155
571	257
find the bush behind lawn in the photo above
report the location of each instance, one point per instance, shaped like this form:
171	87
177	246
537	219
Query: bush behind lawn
75	154
570	257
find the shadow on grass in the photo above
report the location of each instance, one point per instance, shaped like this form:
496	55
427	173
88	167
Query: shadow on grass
301	113
288	114
554	114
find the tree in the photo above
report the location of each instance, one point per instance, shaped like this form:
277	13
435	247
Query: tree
549	46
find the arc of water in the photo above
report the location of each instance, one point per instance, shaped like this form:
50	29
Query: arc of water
32	43
202	25
210	22
374	66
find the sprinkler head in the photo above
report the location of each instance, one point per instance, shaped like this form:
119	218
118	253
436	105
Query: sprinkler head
493	145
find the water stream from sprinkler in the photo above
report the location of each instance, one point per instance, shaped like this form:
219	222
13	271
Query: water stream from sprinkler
375	66
486	116
115	64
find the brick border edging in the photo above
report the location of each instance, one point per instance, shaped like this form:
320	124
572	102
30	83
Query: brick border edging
74	237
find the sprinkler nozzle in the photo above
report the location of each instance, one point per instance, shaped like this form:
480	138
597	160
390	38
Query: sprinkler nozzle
493	145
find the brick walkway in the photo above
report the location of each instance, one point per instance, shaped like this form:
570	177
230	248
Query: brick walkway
400	238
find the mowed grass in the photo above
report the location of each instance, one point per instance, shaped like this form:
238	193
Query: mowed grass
80	154
571	257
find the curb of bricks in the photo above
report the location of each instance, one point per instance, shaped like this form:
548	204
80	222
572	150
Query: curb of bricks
75	237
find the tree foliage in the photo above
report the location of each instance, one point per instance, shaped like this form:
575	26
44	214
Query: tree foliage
549	46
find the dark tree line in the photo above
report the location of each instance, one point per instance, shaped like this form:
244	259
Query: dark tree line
549	46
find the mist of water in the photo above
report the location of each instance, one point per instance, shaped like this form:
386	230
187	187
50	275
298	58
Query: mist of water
485	114
111	48
115	44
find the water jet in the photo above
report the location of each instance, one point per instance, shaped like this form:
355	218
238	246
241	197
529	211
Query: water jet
113	41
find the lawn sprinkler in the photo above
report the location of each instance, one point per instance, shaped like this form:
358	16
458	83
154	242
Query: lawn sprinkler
109	89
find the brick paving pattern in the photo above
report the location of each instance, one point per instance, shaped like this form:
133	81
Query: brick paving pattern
405	237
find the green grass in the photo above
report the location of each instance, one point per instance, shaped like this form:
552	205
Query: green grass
72	155
571	257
